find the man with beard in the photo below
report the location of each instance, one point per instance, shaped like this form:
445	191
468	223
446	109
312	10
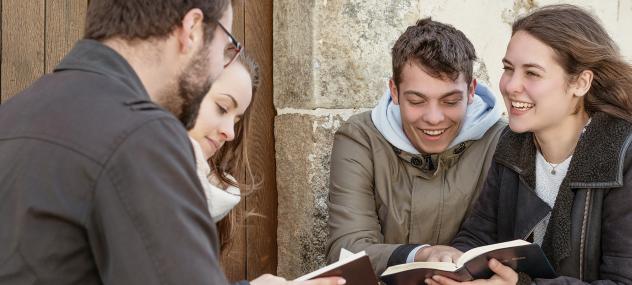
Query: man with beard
98	184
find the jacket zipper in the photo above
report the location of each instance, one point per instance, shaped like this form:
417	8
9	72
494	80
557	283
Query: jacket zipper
582	243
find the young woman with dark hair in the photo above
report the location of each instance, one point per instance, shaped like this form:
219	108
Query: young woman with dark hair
562	175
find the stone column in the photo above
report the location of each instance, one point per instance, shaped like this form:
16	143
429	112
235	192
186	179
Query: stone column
332	60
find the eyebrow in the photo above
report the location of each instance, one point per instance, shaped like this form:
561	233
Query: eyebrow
231	98
534	65
447	94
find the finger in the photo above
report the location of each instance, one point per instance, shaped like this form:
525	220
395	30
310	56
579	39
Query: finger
431	282
324	281
503	272
446	258
444	280
433	258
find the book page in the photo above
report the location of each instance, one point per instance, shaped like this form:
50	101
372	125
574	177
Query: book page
474	252
344	254
444	266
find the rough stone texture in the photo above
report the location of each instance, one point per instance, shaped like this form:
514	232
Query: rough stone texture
303	146
333	56
349	47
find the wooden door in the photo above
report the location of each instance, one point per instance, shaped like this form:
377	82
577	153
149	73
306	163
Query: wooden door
255	250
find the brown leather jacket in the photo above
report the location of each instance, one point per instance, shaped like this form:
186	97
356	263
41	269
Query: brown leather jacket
589	237
386	201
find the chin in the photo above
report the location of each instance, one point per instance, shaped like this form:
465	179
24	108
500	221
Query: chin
519	128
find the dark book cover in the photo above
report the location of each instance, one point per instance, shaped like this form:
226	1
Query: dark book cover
356	269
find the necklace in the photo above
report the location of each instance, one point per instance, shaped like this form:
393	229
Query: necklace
555	165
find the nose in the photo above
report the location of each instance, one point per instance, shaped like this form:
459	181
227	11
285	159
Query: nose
510	84
227	130
433	114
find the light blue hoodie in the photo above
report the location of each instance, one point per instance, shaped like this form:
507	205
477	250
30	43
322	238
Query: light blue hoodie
481	115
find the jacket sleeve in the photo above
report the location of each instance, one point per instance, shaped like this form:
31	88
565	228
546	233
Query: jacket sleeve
479	228
150	224
616	235
353	221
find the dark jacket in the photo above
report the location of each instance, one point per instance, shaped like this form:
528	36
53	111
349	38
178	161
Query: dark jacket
97	183
589	236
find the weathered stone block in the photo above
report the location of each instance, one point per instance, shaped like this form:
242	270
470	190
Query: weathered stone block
344	59
303	148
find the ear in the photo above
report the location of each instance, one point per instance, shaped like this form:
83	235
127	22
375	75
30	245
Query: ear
394	95
191	31
471	90
583	83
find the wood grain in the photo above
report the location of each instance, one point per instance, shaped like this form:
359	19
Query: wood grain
65	23
22	45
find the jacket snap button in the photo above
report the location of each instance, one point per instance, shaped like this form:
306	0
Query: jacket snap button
415	161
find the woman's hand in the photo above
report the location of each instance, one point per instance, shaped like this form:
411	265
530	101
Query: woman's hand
440	253
269	279
504	275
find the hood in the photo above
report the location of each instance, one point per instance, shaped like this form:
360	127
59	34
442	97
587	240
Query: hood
481	115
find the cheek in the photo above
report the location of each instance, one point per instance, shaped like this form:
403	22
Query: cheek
410	113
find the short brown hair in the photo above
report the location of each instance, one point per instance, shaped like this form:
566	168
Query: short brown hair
581	43
145	19
439	49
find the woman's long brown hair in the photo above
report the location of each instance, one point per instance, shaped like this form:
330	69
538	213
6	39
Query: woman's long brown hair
581	43
232	158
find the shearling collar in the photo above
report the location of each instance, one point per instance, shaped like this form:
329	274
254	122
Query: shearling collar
597	161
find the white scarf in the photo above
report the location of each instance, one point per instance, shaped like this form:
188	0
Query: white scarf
220	201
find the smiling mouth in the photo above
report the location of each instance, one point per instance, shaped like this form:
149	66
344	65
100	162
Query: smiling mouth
434	133
522	106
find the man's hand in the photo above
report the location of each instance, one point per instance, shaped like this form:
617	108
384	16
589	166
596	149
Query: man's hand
504	275
438	253
269	279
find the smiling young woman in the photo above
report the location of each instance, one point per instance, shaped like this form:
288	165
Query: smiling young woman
562	175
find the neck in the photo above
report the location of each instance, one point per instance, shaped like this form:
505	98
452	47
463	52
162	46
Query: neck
558	142
150	61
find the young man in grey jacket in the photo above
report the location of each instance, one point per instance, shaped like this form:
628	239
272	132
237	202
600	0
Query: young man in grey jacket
407	172
97	176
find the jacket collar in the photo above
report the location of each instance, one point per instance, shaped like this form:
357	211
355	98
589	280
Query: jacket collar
93	56
597	161
431	163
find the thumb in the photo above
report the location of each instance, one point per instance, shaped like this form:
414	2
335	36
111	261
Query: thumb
324	281
503	272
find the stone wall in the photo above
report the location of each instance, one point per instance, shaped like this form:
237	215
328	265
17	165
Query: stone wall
332	59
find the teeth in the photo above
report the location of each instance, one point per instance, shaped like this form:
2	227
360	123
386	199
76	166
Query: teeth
521	105
433	132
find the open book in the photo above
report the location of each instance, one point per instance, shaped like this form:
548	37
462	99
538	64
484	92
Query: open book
520	255
355	268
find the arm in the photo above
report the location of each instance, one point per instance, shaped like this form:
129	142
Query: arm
353	221
150	224
480	227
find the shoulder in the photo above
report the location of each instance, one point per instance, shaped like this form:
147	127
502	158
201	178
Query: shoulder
360	129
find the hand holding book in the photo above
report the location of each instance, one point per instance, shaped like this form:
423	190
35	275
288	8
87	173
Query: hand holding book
438	253
502	275
517	256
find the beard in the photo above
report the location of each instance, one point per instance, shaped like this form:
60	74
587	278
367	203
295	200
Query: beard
192	85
